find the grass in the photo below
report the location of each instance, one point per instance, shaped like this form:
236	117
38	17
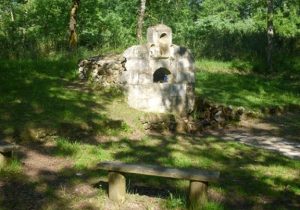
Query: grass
43	95
225	83
257	178
43	104
85	155
12	168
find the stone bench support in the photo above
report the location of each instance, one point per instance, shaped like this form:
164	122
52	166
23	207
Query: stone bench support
117	186
197	194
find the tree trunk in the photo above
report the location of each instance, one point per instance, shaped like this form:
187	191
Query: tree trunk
12	16
72	25
270	35
139	33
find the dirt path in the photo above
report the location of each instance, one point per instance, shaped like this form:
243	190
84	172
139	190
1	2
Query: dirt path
278	144
271	134
38	162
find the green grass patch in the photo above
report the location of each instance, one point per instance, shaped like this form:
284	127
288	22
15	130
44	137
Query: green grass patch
43	95
12	168
224	83
213	206
175	202
84	155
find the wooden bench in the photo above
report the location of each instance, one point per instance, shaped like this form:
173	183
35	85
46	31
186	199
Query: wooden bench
198	179
6	149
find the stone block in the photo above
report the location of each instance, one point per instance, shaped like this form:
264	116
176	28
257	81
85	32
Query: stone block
197	194
117	187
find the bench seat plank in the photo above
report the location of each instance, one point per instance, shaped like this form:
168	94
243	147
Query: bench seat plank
8	147
189	174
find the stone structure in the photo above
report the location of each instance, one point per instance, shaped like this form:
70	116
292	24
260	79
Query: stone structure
159	75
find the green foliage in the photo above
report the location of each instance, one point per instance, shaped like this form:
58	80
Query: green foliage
213	206
175	202
233	29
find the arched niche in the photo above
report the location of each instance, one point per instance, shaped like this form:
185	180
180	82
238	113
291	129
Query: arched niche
161	75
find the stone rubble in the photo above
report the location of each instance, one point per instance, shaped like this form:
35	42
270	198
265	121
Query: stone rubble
205	116
104	71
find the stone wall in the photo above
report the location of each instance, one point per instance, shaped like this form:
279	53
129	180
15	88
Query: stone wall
161	97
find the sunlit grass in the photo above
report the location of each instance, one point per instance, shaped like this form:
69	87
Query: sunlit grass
84	155
223	83
13	167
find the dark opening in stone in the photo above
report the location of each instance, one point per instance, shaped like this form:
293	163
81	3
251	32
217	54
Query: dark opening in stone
161	75
163	35
163	38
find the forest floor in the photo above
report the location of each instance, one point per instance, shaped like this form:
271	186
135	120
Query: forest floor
65	127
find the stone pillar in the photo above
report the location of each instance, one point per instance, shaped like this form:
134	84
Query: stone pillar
197	194
2	160
117	186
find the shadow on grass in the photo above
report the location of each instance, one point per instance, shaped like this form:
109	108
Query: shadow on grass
250	177
42	98
52	190
39	98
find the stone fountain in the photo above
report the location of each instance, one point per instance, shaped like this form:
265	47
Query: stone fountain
159	75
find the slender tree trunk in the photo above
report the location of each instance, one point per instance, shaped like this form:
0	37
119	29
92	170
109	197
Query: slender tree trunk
12	16
72	25
270	35
139	33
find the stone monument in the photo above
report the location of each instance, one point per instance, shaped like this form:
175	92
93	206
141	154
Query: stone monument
159	75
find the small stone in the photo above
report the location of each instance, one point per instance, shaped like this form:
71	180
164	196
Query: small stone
240	110
147	126
218	117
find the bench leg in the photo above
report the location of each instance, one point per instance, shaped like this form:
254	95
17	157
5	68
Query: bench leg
116	186
2	160
197	194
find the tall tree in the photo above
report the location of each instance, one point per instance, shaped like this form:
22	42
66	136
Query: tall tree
139	33
12	15
72	25
270	34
